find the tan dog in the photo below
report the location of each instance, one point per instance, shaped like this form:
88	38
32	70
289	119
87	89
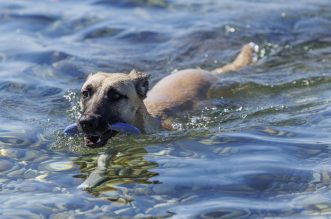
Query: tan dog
117	97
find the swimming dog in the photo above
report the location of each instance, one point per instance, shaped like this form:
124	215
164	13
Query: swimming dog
107	98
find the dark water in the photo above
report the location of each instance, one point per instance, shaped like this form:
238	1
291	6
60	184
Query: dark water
260	148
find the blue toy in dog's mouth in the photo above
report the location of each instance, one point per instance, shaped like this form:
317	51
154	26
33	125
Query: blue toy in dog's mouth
99	141
119	127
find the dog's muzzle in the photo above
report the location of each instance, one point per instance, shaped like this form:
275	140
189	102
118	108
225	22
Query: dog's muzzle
89	123
95	129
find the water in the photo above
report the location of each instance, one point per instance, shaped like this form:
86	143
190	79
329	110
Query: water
259	148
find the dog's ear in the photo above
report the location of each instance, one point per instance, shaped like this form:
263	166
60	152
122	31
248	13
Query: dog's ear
141	81
89	75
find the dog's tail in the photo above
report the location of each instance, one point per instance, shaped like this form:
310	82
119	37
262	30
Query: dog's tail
247	55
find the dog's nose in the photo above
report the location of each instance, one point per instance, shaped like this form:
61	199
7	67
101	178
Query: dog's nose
89	123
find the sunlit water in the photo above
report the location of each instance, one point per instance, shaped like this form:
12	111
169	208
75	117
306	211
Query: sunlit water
259	148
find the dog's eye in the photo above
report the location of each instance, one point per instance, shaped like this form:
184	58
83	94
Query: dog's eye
85	94
114	96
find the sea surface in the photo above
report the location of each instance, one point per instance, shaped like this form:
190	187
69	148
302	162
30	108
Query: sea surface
260	147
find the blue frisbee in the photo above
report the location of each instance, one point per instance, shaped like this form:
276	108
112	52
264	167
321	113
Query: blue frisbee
119	127
71	129
125	128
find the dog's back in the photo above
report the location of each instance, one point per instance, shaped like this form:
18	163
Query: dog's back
179	92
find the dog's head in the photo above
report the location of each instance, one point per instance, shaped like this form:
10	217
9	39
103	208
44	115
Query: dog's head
107	99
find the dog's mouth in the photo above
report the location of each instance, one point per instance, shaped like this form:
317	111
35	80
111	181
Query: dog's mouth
96	141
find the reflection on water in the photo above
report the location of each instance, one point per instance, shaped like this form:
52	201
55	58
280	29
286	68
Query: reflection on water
259	147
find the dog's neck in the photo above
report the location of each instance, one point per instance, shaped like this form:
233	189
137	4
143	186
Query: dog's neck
146	122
